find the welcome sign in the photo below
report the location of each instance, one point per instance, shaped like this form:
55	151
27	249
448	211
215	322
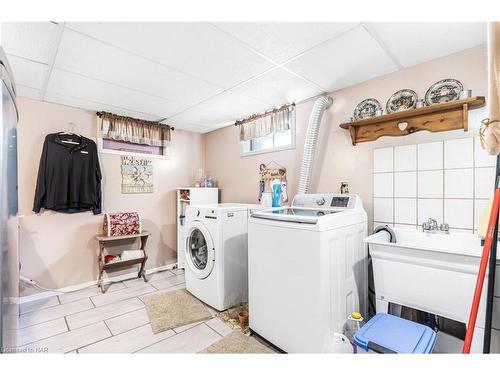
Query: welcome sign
137	175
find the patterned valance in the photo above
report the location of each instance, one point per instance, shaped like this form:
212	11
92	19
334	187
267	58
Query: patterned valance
277	120
129	129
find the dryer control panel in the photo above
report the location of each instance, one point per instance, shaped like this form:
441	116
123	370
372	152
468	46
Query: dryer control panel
327	200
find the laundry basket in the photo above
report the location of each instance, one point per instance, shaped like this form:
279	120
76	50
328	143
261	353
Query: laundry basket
122	224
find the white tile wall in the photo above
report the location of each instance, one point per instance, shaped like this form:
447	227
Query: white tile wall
458	153
481	157
450	181
405	184
405	158
430	156
383	185
484	182
430	208
405	211
383	210
459	183
383	160
430	184
459	213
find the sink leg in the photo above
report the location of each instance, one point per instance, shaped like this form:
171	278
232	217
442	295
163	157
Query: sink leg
381	306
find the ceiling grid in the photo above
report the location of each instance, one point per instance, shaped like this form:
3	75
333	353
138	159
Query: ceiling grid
203	76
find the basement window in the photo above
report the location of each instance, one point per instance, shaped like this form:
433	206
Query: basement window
272	142
275	141
126	148
124	135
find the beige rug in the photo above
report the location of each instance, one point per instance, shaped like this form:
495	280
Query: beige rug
168	310
237	343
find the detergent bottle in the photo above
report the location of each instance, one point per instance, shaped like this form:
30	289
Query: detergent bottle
352	326
276	187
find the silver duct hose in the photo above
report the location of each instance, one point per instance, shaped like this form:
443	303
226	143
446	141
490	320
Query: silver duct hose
310	143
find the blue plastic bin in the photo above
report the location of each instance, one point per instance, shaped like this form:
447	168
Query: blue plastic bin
386	333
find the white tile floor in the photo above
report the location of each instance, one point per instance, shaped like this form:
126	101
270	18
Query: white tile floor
88	321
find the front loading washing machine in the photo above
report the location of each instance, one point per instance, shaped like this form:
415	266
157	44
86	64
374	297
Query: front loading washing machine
216	254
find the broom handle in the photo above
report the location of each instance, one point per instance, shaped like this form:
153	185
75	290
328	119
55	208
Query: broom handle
482	273
491	277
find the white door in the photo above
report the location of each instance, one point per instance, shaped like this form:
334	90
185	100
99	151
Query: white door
200	251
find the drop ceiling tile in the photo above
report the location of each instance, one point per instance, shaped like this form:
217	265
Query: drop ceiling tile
282	41
81	87
235	105
197	48
191	128
27	72
414	43
31	40
197	116
222	110
352	58
94	106
27	92
81	54
278	87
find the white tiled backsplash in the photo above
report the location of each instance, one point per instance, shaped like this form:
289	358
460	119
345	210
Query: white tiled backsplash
450	181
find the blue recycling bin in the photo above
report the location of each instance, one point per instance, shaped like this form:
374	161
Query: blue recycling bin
386	333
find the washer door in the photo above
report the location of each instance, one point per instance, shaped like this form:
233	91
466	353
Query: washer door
200	251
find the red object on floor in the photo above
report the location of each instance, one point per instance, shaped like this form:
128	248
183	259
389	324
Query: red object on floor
482	273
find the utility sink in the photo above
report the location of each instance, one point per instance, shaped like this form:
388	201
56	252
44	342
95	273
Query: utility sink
432	272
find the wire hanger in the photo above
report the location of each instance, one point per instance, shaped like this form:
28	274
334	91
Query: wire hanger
275	163
71	132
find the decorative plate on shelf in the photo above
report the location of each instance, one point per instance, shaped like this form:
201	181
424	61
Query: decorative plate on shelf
366	108
443	91
401	101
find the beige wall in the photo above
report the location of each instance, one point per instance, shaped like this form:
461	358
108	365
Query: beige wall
58	250
336	159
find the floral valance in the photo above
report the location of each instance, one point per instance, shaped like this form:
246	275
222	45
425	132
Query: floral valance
277	120
129	129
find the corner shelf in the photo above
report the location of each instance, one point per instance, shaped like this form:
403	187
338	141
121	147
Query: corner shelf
434	118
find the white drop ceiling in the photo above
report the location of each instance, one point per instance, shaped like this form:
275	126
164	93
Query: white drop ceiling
203	76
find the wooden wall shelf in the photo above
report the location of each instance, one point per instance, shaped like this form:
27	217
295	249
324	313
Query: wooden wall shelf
434	118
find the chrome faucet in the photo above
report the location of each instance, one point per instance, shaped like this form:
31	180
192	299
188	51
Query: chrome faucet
432	226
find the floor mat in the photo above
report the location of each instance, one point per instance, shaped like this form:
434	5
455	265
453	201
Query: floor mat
168	310
237	343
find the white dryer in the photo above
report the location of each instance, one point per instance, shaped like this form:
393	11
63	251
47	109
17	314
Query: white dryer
216	254
307	269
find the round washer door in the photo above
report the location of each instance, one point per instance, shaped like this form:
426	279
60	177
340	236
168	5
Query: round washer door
199	250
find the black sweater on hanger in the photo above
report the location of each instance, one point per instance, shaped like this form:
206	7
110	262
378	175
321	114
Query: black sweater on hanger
69	176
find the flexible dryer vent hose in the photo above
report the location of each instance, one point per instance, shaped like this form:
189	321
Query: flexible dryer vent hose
310	143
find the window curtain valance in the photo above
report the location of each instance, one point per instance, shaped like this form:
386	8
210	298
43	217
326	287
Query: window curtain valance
129	129
277	120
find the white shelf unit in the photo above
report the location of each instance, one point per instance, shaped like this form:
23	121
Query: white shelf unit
196	196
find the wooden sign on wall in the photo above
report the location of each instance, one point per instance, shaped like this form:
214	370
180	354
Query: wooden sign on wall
137	175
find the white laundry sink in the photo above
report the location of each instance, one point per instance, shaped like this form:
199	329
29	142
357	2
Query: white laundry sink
432	272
